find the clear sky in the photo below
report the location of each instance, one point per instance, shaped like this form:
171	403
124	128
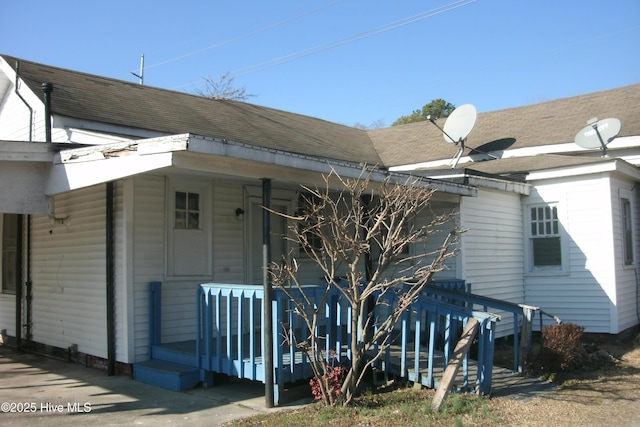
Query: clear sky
347	61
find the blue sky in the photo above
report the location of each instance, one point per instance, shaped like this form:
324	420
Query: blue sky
345	61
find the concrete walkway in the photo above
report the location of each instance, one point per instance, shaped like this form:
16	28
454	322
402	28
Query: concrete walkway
40	391
48	392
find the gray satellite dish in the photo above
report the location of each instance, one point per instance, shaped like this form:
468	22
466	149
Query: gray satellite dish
460	123
598	134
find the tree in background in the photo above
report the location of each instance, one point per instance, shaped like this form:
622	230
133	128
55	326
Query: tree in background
223	88
342	231
438	108
376	124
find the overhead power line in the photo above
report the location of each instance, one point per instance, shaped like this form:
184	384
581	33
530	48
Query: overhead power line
341	42
244	36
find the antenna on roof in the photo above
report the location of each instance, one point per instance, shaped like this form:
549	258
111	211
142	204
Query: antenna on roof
598	134
141	75
458	126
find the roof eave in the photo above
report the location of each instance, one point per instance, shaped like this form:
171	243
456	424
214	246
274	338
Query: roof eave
87	166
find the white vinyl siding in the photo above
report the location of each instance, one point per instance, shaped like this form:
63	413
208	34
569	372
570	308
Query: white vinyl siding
228	235
435	241
492	247
7	300
627	280
148	252
14	117
69	273
584	292
8	314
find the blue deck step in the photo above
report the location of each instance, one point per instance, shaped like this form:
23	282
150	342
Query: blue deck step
168	375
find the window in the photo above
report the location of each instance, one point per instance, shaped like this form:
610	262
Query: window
627	231
546	246
308	230
10	252
187	215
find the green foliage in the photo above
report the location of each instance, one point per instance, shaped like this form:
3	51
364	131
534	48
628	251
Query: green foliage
437	109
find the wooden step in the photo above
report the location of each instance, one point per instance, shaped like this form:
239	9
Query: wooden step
168	375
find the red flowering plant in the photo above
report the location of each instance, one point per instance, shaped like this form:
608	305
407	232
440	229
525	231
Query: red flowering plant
330	382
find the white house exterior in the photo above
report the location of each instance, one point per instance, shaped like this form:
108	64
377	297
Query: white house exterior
139	184
594	280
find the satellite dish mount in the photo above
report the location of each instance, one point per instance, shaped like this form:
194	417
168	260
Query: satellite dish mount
457	128
598	134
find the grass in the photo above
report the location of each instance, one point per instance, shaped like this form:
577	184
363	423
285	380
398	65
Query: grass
397	407
605	396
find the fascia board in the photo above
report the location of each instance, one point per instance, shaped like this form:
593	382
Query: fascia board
287	159
612	166
80	174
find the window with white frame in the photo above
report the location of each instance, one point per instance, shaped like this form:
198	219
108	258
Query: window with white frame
627	230
545	237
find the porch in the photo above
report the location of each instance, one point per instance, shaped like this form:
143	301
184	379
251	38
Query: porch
229	338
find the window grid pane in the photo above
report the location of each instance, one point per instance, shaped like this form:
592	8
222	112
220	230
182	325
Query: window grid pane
545	236
544	222
187	211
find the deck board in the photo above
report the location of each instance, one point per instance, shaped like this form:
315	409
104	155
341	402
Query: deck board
505	382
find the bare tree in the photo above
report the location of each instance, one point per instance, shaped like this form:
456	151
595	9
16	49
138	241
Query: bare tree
363	223
223	88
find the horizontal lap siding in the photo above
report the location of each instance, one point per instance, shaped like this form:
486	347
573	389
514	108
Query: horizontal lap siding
585	293
492	248
14	119
69	273
122	291
148	253
228	248
627	285
8	314
434	242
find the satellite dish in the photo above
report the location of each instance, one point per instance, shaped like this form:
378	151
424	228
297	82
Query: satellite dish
460	123
598	134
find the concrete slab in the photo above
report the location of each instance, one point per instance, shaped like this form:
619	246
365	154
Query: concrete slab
40	391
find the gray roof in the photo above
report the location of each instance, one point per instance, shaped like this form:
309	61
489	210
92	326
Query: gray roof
94	98
106	100
541	124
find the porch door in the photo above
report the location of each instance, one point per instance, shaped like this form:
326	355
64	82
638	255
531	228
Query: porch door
278	233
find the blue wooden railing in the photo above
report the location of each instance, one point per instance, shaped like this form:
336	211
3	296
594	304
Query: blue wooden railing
230	325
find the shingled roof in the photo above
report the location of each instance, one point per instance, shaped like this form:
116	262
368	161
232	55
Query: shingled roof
547	123
100	99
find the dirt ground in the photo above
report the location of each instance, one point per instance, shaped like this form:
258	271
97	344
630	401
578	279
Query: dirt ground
608	396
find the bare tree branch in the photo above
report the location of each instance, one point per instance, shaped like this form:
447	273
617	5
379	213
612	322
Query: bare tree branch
338	230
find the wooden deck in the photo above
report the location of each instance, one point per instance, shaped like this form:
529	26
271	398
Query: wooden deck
505	382
230	325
